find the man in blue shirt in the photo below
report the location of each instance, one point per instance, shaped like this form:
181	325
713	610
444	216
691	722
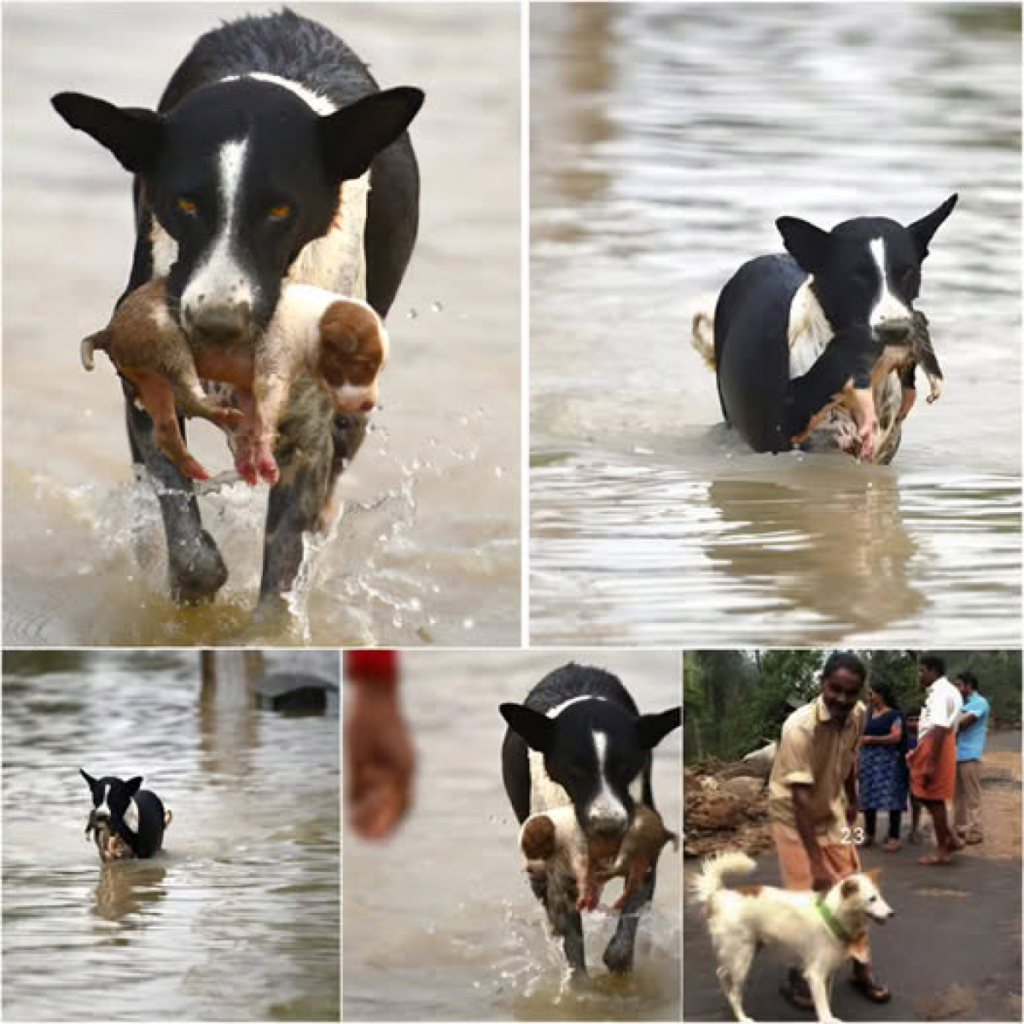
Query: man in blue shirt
970	742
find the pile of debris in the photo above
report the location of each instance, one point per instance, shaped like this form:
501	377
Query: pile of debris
726	806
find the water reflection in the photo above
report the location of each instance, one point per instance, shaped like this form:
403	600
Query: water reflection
126	888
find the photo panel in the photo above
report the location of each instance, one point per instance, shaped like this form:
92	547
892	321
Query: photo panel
441	921
171	824
760	234
856	815
399	525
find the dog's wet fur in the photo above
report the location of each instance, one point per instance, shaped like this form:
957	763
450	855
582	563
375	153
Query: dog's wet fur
829	326
240	180
579	741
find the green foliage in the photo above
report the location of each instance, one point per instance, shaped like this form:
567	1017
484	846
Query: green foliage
734	701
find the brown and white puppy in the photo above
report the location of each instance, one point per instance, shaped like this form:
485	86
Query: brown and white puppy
340	342
554	844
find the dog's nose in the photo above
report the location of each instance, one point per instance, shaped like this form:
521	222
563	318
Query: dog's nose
895	330
223	323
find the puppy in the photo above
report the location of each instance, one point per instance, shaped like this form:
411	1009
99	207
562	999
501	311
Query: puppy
340	342
554	844
818	928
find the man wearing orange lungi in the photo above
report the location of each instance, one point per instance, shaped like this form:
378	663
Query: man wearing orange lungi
933	761
812	825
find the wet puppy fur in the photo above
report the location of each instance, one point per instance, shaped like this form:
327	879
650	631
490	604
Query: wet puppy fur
831	324
742	921
340	342
579	740
128	815
238	179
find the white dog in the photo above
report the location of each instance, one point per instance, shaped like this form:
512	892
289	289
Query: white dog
819	928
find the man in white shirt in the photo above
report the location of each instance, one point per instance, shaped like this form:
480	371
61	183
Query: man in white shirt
933	760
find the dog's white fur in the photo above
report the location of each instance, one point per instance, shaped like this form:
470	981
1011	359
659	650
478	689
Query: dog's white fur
740	921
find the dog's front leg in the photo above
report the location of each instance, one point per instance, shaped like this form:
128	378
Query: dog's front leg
818	984
195	566
566	921
618	956
313	447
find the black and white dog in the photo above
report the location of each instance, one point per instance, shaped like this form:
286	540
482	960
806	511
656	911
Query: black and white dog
825	335
578	739
131	820
257	167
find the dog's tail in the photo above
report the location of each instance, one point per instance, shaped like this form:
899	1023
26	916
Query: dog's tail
89	345
168	818
714	871
702	337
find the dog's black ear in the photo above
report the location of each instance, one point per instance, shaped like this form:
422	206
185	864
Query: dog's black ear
652	729
536	729
922	230
808	245
354	135
132	134
132	785
88	778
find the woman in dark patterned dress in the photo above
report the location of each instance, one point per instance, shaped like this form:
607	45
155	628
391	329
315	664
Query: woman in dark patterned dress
881	767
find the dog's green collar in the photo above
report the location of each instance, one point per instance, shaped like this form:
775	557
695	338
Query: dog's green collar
831	920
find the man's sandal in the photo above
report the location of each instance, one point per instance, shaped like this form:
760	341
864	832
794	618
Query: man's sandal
795	991
871	989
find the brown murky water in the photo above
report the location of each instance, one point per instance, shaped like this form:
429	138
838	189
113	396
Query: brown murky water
666	139
427	550
238	917
439	923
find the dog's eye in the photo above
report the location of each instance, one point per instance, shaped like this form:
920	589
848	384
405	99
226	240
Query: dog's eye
185	205
280	211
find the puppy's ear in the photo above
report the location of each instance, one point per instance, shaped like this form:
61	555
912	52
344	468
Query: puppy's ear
922	230
874	874
808	245
88	778
132	134
652	729
536	729
351	137
132	785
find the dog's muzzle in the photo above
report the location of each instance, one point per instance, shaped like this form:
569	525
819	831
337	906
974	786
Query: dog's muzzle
222	324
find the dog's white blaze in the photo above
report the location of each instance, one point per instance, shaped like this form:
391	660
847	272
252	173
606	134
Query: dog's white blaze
888	307
104	793
809	330
321	104
131	816
220	278
606	805
338	260
545	793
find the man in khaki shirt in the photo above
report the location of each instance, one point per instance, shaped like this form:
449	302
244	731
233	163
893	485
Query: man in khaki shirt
812	802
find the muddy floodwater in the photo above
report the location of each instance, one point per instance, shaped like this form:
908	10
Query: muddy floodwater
666	140
238	917
427	548
439	922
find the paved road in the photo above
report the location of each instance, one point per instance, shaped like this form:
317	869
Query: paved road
952	952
